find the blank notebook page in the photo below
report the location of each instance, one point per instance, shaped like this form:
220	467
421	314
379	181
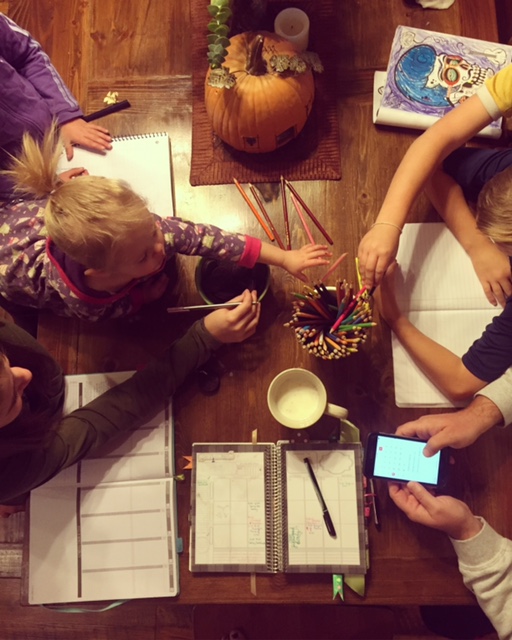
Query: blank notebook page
143	161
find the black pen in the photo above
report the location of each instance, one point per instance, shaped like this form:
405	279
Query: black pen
375	510
327	516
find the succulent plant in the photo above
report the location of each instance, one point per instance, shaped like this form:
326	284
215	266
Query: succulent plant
218	41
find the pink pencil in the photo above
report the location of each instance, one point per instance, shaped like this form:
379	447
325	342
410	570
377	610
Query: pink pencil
302	219
333	267
348	310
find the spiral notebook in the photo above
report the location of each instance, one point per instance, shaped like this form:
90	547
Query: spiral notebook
255	509
143	161
112	533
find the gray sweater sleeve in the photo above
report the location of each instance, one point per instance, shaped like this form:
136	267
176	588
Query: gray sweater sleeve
485	562
500	392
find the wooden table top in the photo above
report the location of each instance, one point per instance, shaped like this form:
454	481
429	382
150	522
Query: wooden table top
113	48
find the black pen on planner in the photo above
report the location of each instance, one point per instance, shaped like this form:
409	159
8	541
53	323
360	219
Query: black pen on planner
325	512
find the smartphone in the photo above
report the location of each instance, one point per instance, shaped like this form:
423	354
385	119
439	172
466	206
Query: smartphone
401	459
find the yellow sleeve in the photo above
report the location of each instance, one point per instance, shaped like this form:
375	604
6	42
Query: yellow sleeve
500	89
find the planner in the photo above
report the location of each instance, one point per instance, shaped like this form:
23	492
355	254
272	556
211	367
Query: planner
143	161
106	527
429	73
438	290
255	508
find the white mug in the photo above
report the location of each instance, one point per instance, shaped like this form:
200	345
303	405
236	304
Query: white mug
297	399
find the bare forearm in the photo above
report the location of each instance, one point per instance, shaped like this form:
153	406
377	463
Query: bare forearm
439	364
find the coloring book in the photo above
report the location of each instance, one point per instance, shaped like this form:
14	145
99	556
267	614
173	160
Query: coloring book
430	73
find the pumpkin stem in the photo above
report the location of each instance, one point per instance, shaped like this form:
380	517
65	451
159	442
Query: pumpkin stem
255	64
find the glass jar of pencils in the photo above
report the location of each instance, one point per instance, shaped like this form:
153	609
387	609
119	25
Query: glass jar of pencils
331	322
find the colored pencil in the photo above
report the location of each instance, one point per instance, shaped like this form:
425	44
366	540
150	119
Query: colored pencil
198	307
333	267
265	214
309	212
302	219
254	210
285	215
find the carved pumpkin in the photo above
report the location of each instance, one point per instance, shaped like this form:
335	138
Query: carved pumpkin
264	109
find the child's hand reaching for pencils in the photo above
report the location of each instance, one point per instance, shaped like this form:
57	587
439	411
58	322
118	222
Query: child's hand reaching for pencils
310	255
238	324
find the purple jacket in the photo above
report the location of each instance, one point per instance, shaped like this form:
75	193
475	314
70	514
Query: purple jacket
31	93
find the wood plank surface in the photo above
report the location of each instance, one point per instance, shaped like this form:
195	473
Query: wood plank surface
141	49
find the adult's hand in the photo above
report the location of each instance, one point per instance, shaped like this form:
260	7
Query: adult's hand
457	430
236	324
445	513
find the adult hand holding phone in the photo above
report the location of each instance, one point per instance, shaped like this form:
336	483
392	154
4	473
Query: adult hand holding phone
457	430
444	513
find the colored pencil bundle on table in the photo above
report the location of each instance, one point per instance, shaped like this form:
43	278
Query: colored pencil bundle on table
266	222
331	323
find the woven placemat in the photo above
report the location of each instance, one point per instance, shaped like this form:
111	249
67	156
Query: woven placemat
313	155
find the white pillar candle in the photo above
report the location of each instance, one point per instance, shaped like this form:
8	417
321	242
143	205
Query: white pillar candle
293	24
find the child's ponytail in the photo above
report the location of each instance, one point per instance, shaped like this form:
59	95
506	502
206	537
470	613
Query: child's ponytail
34	170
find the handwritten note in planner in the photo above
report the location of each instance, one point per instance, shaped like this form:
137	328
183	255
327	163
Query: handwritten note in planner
230	519
309	543
438	290
112	531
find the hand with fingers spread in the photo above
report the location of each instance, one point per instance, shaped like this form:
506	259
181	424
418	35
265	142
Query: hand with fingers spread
85	134
310	255
237	324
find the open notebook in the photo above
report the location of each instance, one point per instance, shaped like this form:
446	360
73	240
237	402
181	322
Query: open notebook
254	508
143	161
111	532
438	290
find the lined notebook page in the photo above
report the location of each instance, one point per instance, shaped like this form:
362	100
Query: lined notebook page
143	161
112	532
438	290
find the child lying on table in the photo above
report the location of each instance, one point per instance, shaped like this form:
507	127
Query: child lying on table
379	246
87	246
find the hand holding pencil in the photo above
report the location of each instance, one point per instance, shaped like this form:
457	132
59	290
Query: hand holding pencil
236	324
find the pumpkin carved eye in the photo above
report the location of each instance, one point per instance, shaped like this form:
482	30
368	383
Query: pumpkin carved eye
264	109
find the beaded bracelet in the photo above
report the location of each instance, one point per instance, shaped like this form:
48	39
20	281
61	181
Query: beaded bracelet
391	224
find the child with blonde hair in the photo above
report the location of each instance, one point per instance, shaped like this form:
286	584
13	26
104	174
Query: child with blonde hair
453	175
88	246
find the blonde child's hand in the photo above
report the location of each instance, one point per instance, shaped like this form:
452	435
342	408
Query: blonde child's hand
310	255
85	134
154	289
376	252
445	513
492	267
236	324
385	297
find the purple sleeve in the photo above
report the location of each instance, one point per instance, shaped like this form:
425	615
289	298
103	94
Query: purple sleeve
25	57
207	240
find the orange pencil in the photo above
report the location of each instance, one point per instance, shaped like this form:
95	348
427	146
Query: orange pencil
254	210
285	215
265	215
310	213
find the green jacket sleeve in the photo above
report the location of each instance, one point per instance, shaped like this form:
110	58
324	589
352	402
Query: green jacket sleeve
122	408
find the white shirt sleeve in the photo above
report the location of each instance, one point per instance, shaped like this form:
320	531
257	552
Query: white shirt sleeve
500	392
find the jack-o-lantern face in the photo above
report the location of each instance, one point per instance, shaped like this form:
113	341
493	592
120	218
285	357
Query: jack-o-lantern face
263	110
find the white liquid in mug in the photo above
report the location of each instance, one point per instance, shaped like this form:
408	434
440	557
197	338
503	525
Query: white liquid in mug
298	402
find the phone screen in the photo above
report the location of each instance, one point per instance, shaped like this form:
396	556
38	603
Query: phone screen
402	459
